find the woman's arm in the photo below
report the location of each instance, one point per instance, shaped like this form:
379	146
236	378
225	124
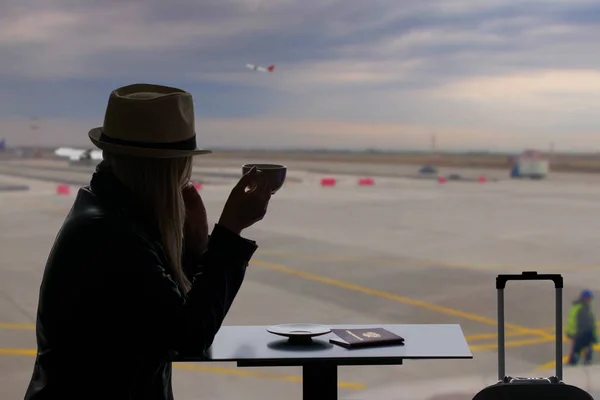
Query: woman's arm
191	258
184	323
193	255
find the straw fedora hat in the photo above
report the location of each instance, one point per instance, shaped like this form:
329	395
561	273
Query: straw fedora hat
152	121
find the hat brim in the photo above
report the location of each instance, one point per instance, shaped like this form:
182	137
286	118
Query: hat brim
95	133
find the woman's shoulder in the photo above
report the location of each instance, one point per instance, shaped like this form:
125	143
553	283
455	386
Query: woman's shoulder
100	247
92	215
102	231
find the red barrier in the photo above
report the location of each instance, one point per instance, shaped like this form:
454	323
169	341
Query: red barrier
441	179
198	185
63	190
366	182
482	179
328	182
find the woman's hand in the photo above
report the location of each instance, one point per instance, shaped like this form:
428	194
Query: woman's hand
245	208
196	222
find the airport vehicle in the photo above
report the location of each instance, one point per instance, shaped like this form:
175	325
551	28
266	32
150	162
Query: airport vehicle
428	169
529	164
533	169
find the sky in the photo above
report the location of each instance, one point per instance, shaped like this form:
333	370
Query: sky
349	74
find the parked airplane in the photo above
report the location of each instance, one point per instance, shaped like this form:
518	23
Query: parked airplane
78	155
270	68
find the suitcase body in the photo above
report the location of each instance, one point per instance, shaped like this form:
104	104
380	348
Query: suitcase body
518	388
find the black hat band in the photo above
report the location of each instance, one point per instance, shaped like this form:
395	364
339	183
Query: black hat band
188	144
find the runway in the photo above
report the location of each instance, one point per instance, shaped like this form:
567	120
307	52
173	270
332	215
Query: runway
402	251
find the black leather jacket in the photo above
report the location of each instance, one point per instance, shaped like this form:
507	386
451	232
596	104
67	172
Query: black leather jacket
110	317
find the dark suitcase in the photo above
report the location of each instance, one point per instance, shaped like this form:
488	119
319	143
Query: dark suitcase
518	388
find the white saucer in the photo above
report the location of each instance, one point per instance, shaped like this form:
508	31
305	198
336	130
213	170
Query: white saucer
299	331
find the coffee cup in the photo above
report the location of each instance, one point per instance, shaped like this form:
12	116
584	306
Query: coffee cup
273	173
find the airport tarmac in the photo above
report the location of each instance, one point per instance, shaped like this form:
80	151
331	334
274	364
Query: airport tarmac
348	169
389	170
402	251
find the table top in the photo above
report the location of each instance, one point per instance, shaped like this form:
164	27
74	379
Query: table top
254	346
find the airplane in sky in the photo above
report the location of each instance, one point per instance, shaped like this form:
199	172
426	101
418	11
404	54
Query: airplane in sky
253	67
79	155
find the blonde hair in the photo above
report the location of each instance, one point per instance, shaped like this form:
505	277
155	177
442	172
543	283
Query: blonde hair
157	184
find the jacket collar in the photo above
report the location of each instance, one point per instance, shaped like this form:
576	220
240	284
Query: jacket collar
119	198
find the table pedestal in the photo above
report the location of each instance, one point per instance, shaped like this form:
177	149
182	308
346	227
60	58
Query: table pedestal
319	381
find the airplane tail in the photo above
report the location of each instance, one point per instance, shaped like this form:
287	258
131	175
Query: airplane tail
270	68
3	144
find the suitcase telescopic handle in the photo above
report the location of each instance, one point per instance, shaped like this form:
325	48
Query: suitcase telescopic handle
529	276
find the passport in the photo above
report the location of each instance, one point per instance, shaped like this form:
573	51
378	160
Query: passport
369	337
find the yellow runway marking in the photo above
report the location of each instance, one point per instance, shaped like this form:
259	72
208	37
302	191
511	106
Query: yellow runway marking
397	298
552	329
215	370
508	344
18	352
544	335
373	292
469	338
333	258
17	326
552	364
519	329
257	374
491	336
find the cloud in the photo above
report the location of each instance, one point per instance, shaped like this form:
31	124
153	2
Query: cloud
203	40
524	68
525	89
